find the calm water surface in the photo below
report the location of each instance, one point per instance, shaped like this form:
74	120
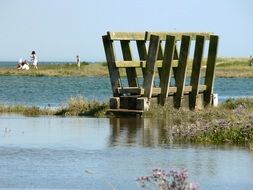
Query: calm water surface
55	91
88	153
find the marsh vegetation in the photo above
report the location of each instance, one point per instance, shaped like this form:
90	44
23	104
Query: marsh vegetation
226	67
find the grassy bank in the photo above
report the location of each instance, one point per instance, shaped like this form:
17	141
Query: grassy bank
231	122
233	67
86	69
226	67
76	106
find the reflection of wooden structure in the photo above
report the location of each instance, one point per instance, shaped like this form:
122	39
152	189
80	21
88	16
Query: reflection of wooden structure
169	54
140	131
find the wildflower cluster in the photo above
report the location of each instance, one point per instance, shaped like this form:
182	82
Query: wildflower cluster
172	180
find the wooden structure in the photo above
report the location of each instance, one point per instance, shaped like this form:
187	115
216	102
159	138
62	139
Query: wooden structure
165	55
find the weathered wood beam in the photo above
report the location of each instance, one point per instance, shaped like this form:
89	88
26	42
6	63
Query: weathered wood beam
151	59
132	36
127	35
196	67
157	91
160	57
113	70
210	69
142	50
141	64
181	71
127	55
178	35
167	68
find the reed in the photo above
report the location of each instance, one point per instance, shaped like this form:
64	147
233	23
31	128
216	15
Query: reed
78	106
25	110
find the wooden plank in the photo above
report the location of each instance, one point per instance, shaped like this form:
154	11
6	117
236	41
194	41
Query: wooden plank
151	59
127	55
181	70
157	90
146	35
178	35
125	111
175	57
167	68
141	64
131	90
210	70
113	70
196	66
126	35
160	57
142	50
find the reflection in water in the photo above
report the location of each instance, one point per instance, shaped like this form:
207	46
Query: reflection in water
140	132
153	133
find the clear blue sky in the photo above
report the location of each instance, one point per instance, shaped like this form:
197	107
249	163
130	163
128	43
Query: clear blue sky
58	30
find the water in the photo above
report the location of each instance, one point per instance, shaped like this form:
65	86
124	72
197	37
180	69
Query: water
55	91
12	64
90	153
41	91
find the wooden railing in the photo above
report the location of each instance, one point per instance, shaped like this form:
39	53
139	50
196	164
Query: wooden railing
168	54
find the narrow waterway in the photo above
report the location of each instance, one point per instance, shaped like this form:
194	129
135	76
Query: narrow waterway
55	91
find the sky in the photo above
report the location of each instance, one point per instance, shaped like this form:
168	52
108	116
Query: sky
58	30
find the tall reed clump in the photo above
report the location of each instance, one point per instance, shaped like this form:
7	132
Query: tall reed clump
231	122
78	106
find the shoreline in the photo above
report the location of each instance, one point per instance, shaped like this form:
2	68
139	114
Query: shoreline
225	67
229	123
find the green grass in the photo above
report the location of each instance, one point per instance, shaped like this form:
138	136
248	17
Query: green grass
25	110
226	67
231	122
233	67
68	69
76	106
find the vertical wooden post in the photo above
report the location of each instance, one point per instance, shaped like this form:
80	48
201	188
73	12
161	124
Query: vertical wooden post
175	57
142	50
182	68
210	70
160	57
196	66
150	65
167	68
127	56
113	70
